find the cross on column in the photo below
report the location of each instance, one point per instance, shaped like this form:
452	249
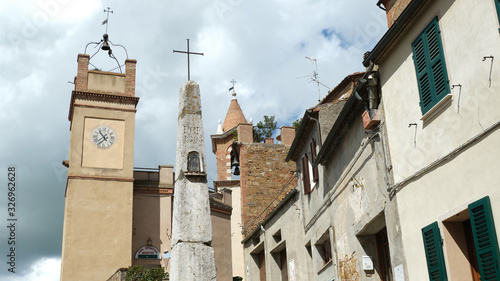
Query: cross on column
188	53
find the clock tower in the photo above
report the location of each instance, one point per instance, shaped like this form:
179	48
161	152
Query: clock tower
97	235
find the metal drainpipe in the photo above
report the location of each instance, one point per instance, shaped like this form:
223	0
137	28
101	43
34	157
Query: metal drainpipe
373	101
363	81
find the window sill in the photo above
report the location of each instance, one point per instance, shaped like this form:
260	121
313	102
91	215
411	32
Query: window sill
437	108
325	266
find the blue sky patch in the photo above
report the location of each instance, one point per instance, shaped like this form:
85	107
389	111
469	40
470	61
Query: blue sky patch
329	34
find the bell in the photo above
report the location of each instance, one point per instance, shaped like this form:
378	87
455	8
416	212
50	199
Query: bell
236	171
105	46
235	162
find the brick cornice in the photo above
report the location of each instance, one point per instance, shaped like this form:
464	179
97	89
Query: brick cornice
101	178
92	96
158	191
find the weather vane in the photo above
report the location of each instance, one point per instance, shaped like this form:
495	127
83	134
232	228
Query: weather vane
188	53
105	22
104	43
232	82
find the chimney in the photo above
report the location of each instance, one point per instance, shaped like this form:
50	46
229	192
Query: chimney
287	135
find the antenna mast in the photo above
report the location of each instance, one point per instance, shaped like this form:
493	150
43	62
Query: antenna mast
315	77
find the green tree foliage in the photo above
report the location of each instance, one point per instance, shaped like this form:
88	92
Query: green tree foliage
140	273
296	124
264	130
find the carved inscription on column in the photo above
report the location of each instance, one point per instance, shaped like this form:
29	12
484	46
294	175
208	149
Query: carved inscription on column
193	134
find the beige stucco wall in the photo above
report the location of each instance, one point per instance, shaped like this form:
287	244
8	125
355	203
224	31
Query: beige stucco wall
469	31
444	192
152	219
97	229
236	236
221	243
97	232
108	82
77	141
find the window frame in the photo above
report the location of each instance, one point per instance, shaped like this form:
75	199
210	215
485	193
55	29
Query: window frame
313	157
430	66
306	182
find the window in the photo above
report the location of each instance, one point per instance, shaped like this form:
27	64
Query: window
474	244
193	162
384	256
324	248
313	157
305	174
283	265
430	66
262	266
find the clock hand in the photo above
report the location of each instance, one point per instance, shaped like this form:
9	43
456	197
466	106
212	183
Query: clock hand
102	135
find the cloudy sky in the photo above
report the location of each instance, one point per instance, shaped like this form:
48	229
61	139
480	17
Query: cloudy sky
260	44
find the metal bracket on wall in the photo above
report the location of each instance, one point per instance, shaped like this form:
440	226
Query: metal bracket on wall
415	137
459	94
491	67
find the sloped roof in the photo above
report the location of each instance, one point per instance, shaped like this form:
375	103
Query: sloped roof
234	116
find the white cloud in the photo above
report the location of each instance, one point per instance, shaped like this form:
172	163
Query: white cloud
44	269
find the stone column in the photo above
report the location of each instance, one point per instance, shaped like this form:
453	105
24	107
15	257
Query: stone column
192	253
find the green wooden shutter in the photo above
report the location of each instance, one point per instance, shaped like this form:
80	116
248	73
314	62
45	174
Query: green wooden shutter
485	239
497	5
434	253
430	66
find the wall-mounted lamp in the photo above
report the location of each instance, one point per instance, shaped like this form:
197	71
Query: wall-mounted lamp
150	242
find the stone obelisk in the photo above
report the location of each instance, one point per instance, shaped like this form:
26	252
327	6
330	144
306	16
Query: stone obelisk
192	253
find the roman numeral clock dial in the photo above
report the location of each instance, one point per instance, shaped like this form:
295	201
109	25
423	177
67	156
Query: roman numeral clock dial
103	137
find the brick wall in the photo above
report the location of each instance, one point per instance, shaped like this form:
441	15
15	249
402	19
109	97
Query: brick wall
81	76
130	77
394	8
264	172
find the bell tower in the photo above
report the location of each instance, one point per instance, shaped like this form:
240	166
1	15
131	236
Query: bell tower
97	235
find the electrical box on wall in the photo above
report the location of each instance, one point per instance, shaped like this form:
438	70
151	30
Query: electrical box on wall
367	263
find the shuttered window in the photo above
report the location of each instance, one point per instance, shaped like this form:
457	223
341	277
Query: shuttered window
485	239
430	66
497	5
434	253
313	157
305	174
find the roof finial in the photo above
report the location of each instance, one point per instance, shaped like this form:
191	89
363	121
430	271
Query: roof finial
219	129
232	88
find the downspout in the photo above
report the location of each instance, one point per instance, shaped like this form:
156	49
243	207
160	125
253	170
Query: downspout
361	82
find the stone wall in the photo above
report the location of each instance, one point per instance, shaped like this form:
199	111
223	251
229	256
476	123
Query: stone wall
264	173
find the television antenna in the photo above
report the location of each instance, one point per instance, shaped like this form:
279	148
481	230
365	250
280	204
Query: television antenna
315	77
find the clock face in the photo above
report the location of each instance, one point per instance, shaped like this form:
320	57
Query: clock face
103	137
